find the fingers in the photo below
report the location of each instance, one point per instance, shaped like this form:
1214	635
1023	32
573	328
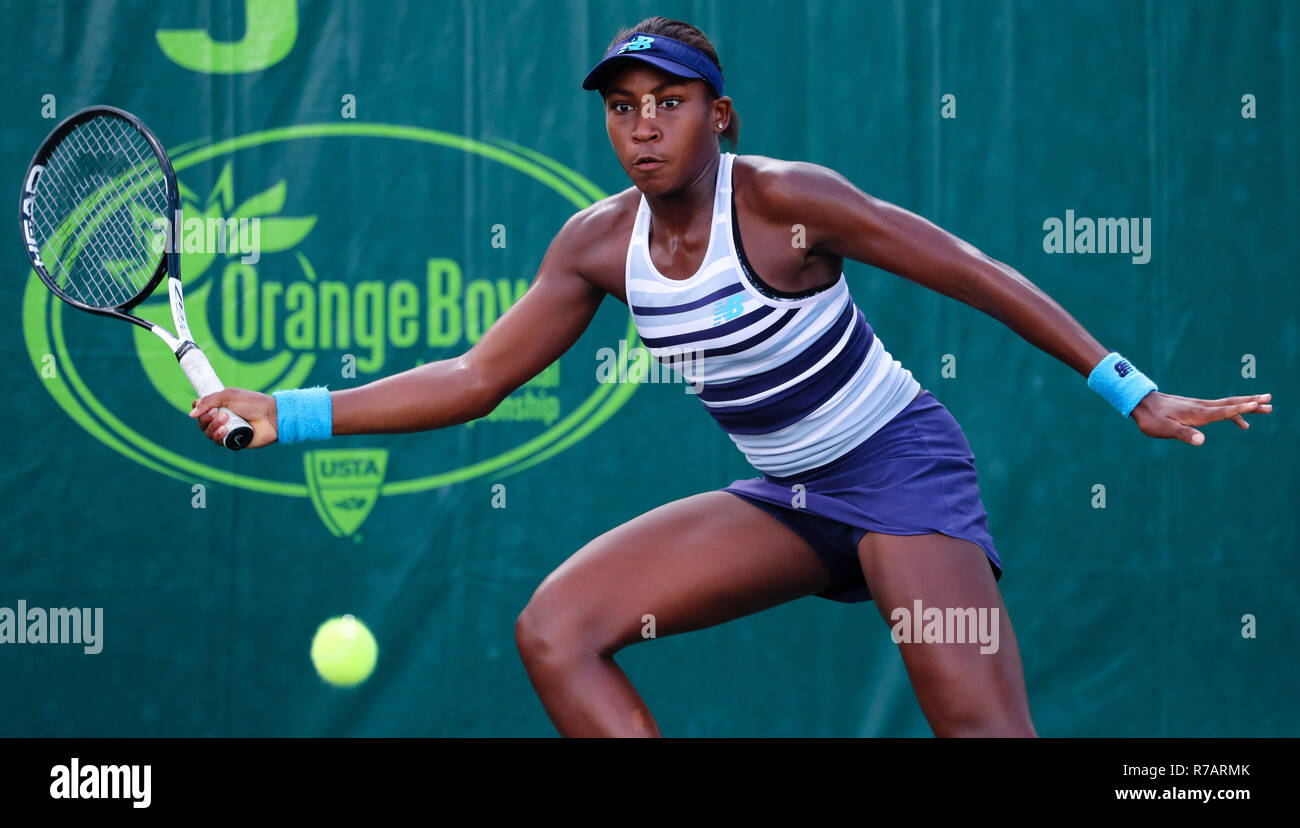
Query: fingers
201	406
1198	413
1259	398
214	412
215	428
1262	399
1180	419
1183	425
1234	411
1188	434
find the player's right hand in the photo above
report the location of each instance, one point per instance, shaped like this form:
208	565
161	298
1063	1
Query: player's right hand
258	409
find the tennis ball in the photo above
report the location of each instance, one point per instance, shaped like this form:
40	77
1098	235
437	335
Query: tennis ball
344	651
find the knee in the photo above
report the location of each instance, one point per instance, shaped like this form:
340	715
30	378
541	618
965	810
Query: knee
537	636
550	634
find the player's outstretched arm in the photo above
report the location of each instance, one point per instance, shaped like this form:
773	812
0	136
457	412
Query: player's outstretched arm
842	220
533	333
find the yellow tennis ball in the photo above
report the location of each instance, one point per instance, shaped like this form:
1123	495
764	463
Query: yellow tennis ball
344	651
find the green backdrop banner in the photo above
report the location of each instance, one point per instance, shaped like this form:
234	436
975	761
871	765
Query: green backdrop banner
407	164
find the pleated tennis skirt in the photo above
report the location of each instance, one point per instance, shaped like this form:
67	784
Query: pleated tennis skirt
914	476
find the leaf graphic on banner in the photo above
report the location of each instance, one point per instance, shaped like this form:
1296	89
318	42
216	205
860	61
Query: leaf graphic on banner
275	234
279	234
267	202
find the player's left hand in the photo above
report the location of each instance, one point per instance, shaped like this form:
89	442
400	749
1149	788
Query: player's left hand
1168	415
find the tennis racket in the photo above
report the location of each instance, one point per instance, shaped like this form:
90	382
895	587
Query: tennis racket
99	218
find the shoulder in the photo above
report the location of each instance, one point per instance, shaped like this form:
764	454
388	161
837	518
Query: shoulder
593	241
781	189
602	221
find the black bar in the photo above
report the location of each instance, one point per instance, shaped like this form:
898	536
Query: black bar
1044	777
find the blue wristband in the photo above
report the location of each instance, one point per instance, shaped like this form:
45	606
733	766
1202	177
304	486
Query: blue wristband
1120	383
304	414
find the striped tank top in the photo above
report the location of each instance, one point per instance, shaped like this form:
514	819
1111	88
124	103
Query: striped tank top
795	379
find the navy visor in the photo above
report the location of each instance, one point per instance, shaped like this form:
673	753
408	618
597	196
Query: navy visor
672	56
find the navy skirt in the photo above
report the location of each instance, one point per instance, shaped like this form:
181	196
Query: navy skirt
914	476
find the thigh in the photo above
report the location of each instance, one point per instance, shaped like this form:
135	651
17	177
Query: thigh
959	688
691	563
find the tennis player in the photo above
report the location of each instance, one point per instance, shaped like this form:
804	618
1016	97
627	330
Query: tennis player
868	488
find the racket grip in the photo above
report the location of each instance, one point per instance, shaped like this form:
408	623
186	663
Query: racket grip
199	371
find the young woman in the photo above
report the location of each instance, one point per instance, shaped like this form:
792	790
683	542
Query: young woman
866	478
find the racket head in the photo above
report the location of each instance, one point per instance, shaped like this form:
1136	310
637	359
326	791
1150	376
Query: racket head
89	209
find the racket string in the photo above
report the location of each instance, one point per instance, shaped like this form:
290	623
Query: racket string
69	238
113	241
140	164
56	267
100	183
106	247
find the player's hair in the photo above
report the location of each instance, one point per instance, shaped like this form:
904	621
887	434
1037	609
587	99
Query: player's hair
686	33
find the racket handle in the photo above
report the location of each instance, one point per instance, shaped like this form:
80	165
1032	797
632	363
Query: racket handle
196	366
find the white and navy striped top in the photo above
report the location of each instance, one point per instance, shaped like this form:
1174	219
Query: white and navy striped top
796	379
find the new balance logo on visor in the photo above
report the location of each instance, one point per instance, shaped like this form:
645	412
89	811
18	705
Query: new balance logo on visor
637	44
1122	368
